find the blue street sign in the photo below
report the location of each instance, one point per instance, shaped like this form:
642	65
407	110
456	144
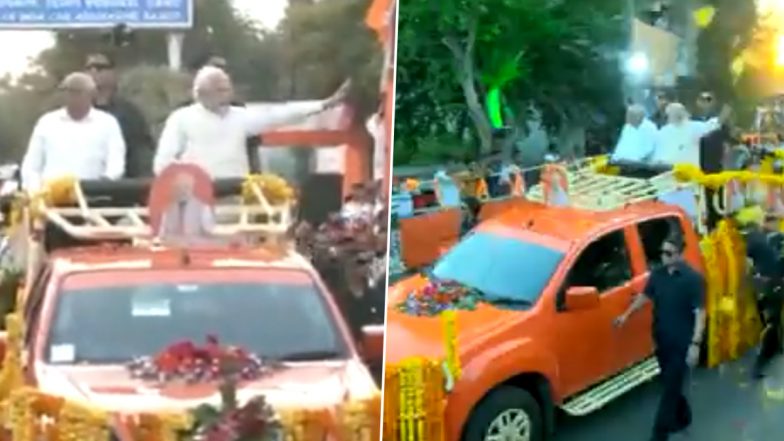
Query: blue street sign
82	14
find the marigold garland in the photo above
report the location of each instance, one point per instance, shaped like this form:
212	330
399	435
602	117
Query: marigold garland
452	359
360	420
732	323
414	401
691	173
275	189
60	191
12	374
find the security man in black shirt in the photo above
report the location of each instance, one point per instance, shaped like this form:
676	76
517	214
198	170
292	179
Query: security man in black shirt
139	149
677	292
768	278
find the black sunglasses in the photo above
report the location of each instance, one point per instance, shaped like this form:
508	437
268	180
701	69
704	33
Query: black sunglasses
99	66
668	253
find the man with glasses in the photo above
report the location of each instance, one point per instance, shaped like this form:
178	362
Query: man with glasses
660	114
76	140
706	107
135	130
677	292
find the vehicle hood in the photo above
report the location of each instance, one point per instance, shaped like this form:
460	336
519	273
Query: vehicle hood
408	336
299	385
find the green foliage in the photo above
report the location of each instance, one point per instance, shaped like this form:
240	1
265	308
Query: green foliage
557	56
728	35
331	33
156	90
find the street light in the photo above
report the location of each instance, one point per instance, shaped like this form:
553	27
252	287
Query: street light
638	64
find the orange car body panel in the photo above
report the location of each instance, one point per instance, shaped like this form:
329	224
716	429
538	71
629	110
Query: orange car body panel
316	384
571	351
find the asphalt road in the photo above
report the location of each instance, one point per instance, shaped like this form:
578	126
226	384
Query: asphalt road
727	406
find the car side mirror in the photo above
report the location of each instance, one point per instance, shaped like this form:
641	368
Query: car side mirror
582	298
373	343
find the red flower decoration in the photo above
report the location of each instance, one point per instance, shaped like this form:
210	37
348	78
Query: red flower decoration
184	360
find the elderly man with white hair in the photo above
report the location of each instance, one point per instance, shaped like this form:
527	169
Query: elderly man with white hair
679	140
76	140
638	137
212	133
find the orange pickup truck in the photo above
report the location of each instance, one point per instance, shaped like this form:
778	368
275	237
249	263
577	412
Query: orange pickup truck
90	313
541	337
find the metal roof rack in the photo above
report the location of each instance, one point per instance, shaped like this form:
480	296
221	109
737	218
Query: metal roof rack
257	217
590	189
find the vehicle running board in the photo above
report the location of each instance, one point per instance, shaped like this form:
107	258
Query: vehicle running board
598	396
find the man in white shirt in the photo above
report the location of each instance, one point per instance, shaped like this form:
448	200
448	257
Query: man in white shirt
76	140
638	137
679	141
212	133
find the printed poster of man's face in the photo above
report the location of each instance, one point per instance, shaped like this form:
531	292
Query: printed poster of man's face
177	198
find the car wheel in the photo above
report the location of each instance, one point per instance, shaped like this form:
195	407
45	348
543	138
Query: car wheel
506	414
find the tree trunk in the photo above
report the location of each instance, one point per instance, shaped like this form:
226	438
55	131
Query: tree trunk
464	68
477	114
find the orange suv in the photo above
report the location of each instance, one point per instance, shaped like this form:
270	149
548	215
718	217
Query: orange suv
550	281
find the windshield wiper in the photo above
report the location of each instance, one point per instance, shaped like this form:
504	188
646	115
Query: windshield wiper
506	301
310	356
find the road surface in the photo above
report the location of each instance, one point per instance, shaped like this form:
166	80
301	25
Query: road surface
727	406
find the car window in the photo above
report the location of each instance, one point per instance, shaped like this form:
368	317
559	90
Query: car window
604	264
502	268
653	233
111	324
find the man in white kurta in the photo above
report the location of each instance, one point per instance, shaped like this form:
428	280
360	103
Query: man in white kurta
638	137
679	141
76	140
212	133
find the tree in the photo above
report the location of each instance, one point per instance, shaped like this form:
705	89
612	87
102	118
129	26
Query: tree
327	42
555	57
730	32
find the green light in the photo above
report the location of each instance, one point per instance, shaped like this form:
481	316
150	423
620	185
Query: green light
493	104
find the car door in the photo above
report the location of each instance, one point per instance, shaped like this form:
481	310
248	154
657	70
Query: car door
634	340
586	338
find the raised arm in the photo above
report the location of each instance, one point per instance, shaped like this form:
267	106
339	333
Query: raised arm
115	154
34	159
259	120
171	143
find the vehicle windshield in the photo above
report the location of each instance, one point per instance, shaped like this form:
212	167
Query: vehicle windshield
503	269
280	319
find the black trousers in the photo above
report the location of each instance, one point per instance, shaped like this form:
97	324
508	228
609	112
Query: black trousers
674	412
770	308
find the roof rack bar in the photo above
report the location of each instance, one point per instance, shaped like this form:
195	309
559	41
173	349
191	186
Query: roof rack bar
256	216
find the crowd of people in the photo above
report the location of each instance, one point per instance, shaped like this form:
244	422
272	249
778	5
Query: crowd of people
674	135
99	135
349	249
